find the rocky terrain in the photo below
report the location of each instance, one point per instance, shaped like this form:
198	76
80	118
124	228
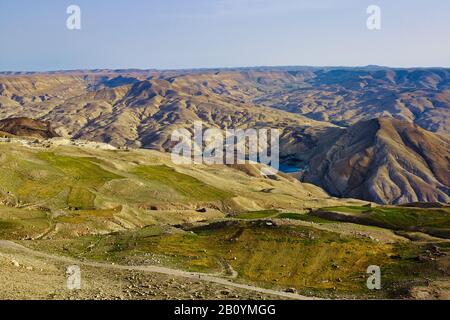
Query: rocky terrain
124	110
87	180
317	110
108	189
345	96
31	277
341	96
140	227
26	127
386	161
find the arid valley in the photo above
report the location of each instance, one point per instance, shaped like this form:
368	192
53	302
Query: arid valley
87	179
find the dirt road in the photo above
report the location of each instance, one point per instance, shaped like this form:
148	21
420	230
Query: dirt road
156	269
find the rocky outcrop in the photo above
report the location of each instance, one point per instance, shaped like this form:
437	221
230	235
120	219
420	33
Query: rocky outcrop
386	161
26	127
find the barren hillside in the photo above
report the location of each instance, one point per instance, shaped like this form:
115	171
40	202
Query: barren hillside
312	107
386	161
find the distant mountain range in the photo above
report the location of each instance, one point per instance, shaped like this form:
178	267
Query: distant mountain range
373	133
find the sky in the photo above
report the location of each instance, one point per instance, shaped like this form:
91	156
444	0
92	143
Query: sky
174	34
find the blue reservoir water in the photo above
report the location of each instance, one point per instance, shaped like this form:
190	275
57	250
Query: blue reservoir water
288	169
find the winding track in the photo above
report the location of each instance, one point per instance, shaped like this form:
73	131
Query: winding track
155	269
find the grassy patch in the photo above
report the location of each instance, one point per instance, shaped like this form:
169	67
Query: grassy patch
7	225
306	258
28	181
187	186
303	217
435	222
348	209
82	216
258	214
407	271
406	217
83	175
19	223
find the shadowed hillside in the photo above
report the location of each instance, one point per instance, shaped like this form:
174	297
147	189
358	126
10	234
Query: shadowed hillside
27	128
386	161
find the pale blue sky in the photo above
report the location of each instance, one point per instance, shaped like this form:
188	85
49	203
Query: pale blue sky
221	33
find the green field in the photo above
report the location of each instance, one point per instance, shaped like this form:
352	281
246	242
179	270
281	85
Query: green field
189	187
257	214
349	209
435	222
64	182
74	203
17	224
313	261
83	176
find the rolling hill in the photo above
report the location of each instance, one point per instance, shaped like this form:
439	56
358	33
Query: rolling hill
141	227
315	109
94	189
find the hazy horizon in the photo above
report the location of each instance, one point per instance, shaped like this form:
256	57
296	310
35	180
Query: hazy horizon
227	68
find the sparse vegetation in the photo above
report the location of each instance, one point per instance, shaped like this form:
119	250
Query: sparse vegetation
303	217
432	221
96	206
18	224
258	214
190	188
308	259
84	177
